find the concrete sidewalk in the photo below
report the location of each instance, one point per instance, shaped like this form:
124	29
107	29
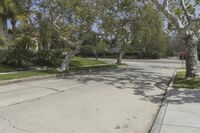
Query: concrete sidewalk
181	112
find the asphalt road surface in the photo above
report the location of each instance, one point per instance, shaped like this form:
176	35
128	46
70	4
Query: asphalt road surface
124	100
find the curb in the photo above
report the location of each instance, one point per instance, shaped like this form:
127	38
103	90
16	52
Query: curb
162	111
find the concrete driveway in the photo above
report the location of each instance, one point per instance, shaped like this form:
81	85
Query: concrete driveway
124	100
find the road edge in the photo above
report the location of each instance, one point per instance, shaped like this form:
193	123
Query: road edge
162	111
12	81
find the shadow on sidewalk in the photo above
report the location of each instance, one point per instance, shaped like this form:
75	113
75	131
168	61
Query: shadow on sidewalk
181	96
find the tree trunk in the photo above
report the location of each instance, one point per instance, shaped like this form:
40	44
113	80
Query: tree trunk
192	61
65	64
14	28
120	53
5	28
119	57
69	55
1	27
96	56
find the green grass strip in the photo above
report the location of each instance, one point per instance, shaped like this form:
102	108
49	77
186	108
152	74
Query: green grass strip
24	74
181	82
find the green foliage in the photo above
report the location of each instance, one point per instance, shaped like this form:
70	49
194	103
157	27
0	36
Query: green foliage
5	68
2	41
152	55
63	28
87	50
56	26
94	49
100	47
21	52
191	9
3	56
178	11
197	2
148	35
115	20
49	58
12	10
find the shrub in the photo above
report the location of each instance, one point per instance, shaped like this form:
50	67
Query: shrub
152	55
48	58
87	51
3	55
21	52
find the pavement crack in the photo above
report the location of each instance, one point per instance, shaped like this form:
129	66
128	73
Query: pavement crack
49	88
14	126
38	98
53	89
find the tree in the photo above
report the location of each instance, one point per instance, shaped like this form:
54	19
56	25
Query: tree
147	31
113	18
186	22
22	49
21	52
100	47
10	9
71	21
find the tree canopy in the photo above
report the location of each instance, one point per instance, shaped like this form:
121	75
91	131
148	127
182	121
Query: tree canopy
53	31
184	16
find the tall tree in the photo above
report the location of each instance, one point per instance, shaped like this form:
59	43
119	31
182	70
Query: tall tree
71	20
114	18
186	22
149	37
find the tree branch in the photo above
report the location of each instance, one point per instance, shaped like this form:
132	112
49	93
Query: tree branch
197	20
188	15
165	10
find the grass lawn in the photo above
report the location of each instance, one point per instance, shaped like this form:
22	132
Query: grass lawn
77	64
100	66
83	62
181	82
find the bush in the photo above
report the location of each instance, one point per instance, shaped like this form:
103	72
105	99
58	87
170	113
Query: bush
3	55
21	52
87	50
156	55
133	55
153	55
48	58
3	41
170	52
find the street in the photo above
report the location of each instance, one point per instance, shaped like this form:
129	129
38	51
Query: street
123	100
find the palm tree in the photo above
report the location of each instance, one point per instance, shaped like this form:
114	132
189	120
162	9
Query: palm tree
9	10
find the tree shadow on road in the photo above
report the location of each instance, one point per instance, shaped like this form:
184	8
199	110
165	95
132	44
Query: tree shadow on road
150	85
